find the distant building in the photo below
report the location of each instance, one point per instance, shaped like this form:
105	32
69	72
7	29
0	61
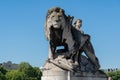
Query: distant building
9	65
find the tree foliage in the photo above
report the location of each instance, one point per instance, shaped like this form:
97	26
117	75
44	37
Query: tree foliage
2	76
114	74
2	73
26	68
24	72
32	73
2	70
15	75
37	73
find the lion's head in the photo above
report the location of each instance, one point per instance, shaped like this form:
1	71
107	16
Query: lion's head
58	29
55	18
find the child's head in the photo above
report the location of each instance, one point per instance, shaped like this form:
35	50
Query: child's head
78	23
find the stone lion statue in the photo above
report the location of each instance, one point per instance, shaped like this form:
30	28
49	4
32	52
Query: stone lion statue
59	31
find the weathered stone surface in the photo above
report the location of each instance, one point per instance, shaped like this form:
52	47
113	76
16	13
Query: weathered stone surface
53	72
69	63
67	75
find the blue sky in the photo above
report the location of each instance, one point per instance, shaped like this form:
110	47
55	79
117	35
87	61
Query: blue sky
22	29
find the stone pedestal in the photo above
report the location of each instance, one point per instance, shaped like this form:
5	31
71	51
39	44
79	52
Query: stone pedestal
67	75
55	75
52	72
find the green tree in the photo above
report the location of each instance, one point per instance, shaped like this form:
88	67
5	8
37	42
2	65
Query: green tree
2	76
32	73
37	73
26	68
3	70
15	75
24	72
114	74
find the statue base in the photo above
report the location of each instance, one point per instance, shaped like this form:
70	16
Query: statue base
67	75
52	72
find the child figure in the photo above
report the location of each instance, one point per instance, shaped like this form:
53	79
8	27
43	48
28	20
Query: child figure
78	25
